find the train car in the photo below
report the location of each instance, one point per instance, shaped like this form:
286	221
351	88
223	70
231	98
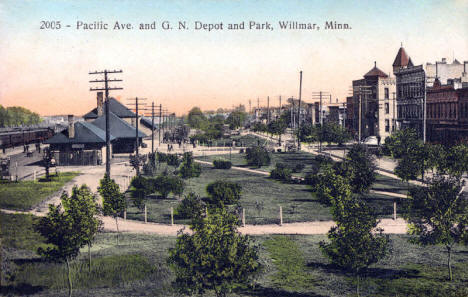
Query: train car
18	137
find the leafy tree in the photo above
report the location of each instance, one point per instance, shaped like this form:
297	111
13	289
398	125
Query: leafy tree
191	207
277	127
359	166
113	201
15	116
196	119
330	186
352	245
402	142
215	257
223	193
140	188
259	127
407	169
83	206
69	229
438	214
166	184
189	168
173	160
236	119
281	172
136	161
457	160
257	156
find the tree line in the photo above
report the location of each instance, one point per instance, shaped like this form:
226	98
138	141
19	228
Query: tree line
15	116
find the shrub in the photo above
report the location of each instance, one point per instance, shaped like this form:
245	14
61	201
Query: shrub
166	184
189	168
222	164
162	157
191	207
173	160
223	193
281	172
241	151
257	156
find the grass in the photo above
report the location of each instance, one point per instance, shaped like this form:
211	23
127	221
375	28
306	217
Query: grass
292	272
262	196
293	266
24	195
243	140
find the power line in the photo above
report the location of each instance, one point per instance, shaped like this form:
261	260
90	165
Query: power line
106	88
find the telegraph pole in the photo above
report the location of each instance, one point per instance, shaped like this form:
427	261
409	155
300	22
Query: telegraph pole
152	127
268	109
137	144
159	127
299	113
250	106
106	88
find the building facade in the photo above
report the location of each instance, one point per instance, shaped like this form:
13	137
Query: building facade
371	109
447	113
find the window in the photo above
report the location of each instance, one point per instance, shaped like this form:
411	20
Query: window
387	125
386	93
387	108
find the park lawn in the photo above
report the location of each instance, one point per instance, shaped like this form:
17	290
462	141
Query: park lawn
292	266
290	159
261	198
382	183
24	195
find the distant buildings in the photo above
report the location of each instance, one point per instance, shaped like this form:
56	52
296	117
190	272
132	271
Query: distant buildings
454	73
373	104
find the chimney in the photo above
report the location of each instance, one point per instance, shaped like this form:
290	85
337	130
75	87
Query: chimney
99	104
71	127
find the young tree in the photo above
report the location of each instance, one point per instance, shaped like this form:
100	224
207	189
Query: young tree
196	119
113	201
360	167
438	214
191	207
330	186
352	245
257	156
457	160
236	119
83	206
277	127
223	193
166	184
140	187
215	257
69	229
189	168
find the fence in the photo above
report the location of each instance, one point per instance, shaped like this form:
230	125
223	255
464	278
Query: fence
246	216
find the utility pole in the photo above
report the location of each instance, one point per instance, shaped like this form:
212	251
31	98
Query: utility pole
159	126
137	144
106	88
279	109
250	106
299	113
268	109
152	127
321	112
393	118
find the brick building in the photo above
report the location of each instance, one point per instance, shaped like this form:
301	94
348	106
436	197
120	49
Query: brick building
447	113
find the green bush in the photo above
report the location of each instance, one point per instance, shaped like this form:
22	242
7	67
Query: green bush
222	164
190	207
281	172
166	184
173	160
257	156
223	193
